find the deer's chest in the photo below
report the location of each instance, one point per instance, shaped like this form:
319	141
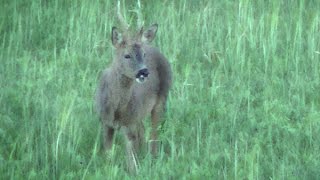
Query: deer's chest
135	110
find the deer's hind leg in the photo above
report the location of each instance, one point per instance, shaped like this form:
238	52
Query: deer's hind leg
134	140
155	119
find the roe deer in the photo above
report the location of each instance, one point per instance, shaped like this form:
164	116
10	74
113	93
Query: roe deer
136	84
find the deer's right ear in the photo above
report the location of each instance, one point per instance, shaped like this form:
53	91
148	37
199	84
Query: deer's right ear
116	37
149	34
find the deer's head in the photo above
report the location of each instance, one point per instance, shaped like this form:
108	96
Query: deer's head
130	53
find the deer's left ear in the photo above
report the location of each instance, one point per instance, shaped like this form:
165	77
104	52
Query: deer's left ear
149	34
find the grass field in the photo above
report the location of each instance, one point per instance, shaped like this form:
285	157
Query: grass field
245	103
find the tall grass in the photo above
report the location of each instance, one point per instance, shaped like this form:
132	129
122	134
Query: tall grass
245	102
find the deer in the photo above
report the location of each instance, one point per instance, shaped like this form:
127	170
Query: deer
135	86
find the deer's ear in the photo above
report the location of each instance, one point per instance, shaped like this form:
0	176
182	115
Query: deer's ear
116	37
150	33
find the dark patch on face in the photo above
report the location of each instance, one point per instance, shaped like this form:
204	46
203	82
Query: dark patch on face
136	46
138	52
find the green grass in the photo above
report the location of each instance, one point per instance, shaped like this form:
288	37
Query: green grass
245	103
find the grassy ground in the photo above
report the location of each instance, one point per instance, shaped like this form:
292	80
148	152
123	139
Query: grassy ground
245	102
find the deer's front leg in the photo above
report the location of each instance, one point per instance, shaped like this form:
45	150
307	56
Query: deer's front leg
108	133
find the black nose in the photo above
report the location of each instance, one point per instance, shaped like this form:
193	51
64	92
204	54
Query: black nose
143	72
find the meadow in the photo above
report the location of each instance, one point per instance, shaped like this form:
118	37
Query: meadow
245	103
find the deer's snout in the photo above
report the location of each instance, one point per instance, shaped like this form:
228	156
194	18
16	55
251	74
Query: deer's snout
141	75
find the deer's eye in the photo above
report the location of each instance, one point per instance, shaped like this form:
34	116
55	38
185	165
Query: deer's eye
127	56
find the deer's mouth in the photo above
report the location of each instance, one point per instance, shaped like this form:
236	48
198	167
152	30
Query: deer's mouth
142	75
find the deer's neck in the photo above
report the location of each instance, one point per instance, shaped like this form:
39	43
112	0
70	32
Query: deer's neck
125	87
125	83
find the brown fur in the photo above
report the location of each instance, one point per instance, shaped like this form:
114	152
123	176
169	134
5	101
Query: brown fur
123	103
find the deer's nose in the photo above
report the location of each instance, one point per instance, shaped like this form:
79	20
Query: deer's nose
143	72
142	75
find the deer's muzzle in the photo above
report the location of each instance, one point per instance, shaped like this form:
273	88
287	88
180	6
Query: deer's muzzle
142	74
